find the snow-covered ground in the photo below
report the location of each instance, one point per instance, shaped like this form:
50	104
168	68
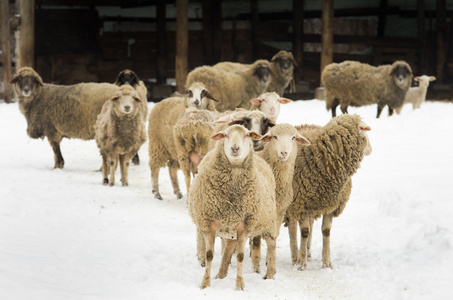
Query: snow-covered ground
63	235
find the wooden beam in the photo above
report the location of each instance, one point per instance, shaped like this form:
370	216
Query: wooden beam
298	40
27	34
6	50
441	8
161	29
255	19
382	17
207	32
182	43
216	11
327	34
421	25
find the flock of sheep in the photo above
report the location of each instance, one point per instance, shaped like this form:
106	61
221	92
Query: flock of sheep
245	173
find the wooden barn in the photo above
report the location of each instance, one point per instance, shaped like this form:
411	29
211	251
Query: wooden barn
70	41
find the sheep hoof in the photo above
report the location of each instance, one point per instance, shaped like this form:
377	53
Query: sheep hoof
105	181
178	195
112	183
327	265
158	196
302	267
203	264
257	269
136	160
240	284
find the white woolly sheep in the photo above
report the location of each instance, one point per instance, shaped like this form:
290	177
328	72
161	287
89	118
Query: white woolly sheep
356	84
59	111
322	179
128	77
233	89
162	119
269	103
120	131
417	95
234	193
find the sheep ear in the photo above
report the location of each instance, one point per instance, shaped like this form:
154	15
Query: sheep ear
294	61
207	94
364	127
256	101
238	121
284	100
115	98
254	136
138	99
14	80
432	78
218	136
302	140
270	123
266	138
417	78
224	119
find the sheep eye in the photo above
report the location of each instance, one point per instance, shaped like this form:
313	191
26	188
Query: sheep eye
190	94
275	137
203	94
294	138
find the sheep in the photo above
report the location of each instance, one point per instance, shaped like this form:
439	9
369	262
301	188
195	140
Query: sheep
120	131
322	179
128	77
233	89
162	119
269	103
282	66
234	193
417	95
193	131
59	111
356	84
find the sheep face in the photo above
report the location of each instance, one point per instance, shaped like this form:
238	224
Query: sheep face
198	96
126	102
285	61
263	71
270	104
127	77
26	84
401	74
424	80
283	137
237	143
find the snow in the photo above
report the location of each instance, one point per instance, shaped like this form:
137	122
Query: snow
63	235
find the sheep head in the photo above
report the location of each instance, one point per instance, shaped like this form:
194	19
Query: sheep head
269	103
126	101
197	96
402	73
424	80
127	77
282	139
285	60
27	81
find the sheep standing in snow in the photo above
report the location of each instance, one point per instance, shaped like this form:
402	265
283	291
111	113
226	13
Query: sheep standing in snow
128	77
417	95
269	103
233	89
234	193
120	131
59	111
322	179
280	153
282	67
162	119
351	83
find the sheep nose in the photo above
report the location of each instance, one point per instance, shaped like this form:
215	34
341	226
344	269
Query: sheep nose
127	108
196	102
284	154
235	149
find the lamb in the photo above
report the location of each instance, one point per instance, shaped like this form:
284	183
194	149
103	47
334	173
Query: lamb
417	95
234	193
120	131
269	103
282	67
128	77
356	84
59	111
162	119
233	89
322	179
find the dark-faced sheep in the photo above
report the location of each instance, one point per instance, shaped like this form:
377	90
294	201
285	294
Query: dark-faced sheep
120	131
282	67
351	83
59	111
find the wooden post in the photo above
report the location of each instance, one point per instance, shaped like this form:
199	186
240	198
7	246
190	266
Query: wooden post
207	33
182	43
421	36
27	34
382	18
255	20
216	11
6	50
327	34
441	9
298	38
161	29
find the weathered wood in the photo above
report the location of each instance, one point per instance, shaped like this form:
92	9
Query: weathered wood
421	35
298	41
6	50
207	32
441	55
161	29
382	17
182	43
27	33
216	11
327	34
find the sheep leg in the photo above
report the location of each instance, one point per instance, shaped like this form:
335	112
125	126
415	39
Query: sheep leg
344	109
201	248
155	182
226	258
59	161
292	231
173	170
105	169
209	238
304	225
136	159
113	161
326	226
379	110
242	239
390	111
335	103
255	253
270	257
312	221
187	179
124	166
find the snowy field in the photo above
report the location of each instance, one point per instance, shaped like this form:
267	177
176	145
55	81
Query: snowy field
63	235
